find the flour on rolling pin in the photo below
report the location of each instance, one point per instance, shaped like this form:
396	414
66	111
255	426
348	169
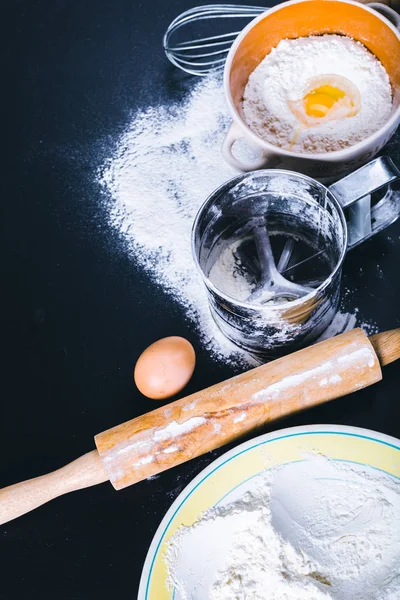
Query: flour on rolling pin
213	417
173	431
326	371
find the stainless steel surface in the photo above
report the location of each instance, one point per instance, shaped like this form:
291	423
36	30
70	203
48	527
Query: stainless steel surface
271	279
310	232
355	192
304	221
201	55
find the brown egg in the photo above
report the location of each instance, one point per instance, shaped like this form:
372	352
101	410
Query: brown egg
165	367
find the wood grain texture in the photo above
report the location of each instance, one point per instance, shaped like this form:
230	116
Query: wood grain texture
213	417
21	498
387	346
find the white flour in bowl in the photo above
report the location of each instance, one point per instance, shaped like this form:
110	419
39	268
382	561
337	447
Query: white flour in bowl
317	530
273	97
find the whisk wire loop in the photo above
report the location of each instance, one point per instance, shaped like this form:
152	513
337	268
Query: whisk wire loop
204	62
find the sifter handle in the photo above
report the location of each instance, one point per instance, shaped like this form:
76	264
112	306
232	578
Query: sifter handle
353	193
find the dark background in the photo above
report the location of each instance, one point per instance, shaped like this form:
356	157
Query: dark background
76	313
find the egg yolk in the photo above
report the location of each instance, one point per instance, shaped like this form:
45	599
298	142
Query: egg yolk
319	102
326	98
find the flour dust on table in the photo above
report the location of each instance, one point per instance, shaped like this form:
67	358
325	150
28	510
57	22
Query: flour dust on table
165	165
316	530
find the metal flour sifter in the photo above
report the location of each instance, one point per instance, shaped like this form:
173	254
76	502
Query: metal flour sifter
288	235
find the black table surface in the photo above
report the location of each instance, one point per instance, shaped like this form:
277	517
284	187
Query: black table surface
76	312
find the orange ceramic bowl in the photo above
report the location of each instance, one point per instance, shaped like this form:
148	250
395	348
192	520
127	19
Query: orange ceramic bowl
300	18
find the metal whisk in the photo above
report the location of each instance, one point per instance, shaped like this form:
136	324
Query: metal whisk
202	55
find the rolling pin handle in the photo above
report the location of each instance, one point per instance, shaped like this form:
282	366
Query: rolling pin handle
20	498
386	346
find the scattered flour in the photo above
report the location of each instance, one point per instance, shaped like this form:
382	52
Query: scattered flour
284	77
166	164
315	530
370	327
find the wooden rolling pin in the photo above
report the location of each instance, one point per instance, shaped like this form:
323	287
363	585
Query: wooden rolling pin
187	428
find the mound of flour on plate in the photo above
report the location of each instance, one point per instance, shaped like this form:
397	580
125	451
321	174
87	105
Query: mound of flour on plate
327	533
165	165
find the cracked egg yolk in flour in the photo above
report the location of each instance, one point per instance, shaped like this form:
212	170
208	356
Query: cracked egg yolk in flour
317	94
327	98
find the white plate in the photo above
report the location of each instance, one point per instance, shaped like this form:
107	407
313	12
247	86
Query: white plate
230	476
